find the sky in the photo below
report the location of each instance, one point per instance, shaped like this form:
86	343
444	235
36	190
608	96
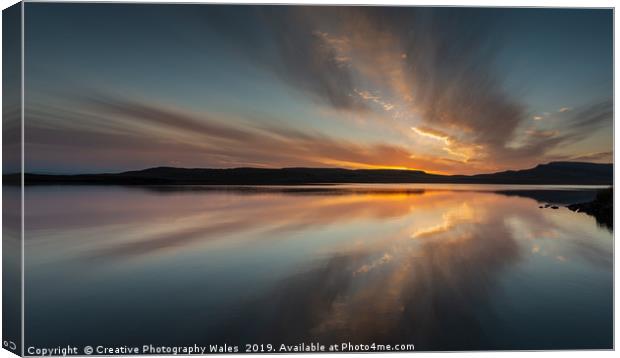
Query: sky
115	87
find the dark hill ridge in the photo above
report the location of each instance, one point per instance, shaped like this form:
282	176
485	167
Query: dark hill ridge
576	173
555	173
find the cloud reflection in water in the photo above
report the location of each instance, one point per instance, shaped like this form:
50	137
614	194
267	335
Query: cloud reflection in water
437	268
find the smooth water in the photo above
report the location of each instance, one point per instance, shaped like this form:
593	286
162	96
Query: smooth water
444	267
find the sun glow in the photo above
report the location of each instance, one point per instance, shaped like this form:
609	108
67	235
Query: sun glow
356	165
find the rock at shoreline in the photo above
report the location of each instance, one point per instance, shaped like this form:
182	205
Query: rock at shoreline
601	207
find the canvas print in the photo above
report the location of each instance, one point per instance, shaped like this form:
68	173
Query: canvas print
199	178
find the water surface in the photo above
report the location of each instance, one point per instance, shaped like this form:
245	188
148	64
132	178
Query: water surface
444	267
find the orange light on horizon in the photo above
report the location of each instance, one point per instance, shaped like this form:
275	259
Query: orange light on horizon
356	165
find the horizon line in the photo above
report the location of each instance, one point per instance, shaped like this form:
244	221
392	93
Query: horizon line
300	167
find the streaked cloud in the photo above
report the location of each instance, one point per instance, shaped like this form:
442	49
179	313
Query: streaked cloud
200	140
541	133
605	157
366	95
432	133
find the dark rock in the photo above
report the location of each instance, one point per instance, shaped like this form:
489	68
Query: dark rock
601	208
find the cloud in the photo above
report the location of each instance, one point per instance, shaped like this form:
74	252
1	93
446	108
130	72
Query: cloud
338	46
294	43
138	133
171	118
605	157
596	157
439	65
591	117
366	95
541	133
431	63
309	58
432	133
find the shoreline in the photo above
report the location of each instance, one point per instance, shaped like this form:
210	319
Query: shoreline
601	208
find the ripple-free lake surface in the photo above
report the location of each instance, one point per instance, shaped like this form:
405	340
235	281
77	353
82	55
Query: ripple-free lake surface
444	267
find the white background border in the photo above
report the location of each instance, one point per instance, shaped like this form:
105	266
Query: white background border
496	3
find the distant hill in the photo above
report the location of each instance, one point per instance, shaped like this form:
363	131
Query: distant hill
551	173
554	173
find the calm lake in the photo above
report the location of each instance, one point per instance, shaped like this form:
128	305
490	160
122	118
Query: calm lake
444	267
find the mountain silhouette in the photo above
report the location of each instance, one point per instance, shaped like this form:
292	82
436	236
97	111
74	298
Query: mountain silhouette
552	173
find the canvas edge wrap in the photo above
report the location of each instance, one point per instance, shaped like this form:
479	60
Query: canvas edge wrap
12	170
